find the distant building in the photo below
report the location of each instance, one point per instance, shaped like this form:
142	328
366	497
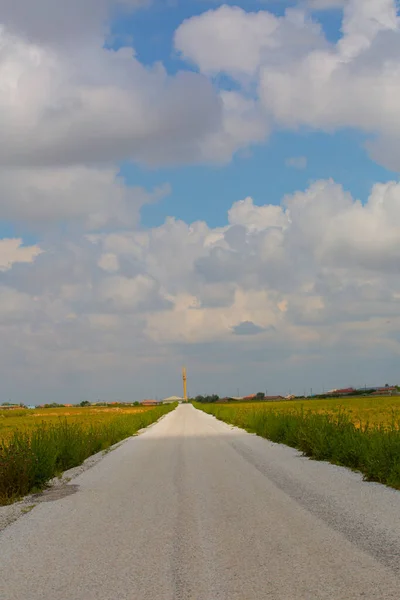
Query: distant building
150	403
172	399
378	388
385	391
341	392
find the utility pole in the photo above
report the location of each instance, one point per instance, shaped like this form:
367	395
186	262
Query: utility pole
184	379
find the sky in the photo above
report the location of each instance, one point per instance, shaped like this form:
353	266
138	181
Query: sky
198	183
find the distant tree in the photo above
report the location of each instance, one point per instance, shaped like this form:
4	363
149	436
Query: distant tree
386	385
260	396
207	399
85	403
136	403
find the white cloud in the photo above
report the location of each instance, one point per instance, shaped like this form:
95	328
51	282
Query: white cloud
316	274
256	218
55	21
60	109
82	104
300	78
210	40
109	262
243	123
92	197
89	105
12	251
385	150
127	293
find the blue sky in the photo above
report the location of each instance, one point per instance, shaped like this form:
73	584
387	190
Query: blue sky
207	193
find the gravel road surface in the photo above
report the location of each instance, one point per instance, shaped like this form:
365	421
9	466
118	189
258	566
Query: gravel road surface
193	509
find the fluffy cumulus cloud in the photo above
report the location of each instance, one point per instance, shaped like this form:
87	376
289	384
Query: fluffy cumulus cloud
210	39
66	99
316	275
12	251
59	108
91	197
303	80
55	22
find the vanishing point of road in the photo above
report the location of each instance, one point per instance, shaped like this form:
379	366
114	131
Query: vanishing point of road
193	509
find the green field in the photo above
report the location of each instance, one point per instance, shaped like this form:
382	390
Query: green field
37	445
359	432
362	410
25	420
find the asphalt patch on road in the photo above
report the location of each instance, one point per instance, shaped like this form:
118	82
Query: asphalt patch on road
55	493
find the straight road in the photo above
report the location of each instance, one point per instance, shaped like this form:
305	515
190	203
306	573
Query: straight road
195	510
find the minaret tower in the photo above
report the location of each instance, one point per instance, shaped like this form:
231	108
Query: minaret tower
184	379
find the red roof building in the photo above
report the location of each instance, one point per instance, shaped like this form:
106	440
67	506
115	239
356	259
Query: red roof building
341	392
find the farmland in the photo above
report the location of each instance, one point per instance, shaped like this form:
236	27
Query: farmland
26	420
36	445
359	432
362	410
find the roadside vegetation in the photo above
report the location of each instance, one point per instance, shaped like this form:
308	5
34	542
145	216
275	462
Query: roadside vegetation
374	410
334	435
24	419
34	450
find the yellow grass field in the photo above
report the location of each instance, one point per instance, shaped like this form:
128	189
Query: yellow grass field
375	410
24	420
37	445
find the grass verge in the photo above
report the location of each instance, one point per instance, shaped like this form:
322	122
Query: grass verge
29	459
375	451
